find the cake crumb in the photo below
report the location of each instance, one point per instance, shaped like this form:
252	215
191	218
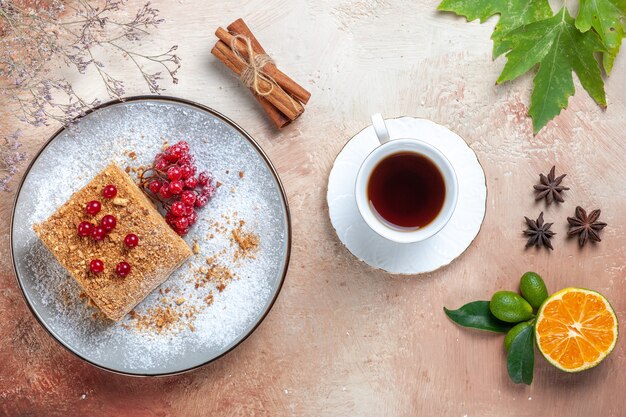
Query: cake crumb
118	201
179	301
209	298
248	243
159	319
241	174
195	248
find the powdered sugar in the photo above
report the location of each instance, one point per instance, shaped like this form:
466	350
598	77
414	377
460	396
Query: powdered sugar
72	159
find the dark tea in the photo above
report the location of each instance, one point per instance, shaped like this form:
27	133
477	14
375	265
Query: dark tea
406	190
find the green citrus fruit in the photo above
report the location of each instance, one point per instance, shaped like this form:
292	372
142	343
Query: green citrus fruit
517	329
510	307
533	289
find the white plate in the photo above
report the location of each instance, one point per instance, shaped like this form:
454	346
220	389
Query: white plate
408	258
73	156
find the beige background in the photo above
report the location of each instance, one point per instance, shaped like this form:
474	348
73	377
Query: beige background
343	339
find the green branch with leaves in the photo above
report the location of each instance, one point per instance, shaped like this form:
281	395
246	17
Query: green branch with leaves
530	35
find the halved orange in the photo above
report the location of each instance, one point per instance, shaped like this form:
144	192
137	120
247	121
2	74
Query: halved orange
576	329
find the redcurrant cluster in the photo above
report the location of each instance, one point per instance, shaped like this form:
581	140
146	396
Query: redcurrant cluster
172	181
99	232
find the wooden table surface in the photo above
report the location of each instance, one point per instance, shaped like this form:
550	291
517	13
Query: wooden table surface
343	339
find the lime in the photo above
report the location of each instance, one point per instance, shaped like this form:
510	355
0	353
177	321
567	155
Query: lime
533	289
510	307
517	329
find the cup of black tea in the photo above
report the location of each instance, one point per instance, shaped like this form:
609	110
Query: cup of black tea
406	189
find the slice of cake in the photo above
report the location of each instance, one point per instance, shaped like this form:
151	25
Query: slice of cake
113	241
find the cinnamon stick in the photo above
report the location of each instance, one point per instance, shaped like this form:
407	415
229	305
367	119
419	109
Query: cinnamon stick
239	27
279	119
277	96
283	80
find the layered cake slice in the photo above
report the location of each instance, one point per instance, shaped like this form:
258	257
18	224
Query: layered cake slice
113	241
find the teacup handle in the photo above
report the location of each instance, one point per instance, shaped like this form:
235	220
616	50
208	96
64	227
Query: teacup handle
380	128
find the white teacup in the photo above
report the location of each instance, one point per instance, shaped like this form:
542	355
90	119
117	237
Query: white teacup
390	147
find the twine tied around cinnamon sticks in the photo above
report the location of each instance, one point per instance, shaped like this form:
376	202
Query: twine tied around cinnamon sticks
254	70
281	97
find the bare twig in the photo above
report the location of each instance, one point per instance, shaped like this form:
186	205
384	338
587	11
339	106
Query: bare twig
31	37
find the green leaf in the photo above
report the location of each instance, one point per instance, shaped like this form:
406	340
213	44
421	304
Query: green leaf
478	316
607	17
513	13
559	48
520	360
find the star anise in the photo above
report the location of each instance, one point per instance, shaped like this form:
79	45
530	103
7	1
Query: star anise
585	226
549	187
538	232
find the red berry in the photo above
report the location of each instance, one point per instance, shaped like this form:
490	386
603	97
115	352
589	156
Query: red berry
174	173
108	222
188	197
186	159
208	190
178	209
188	210
158	156
161	164
109	191
131	240
154	186
173	153
96	266
193	217
93	207
183	147
191	182
181	223
201	200
204	178
176	187
98	233
186	171
182	232
84	229
164	192
122	269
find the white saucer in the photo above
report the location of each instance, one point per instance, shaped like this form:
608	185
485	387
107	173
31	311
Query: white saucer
408	258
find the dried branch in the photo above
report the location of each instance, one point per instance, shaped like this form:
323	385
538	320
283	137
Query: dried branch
73	32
